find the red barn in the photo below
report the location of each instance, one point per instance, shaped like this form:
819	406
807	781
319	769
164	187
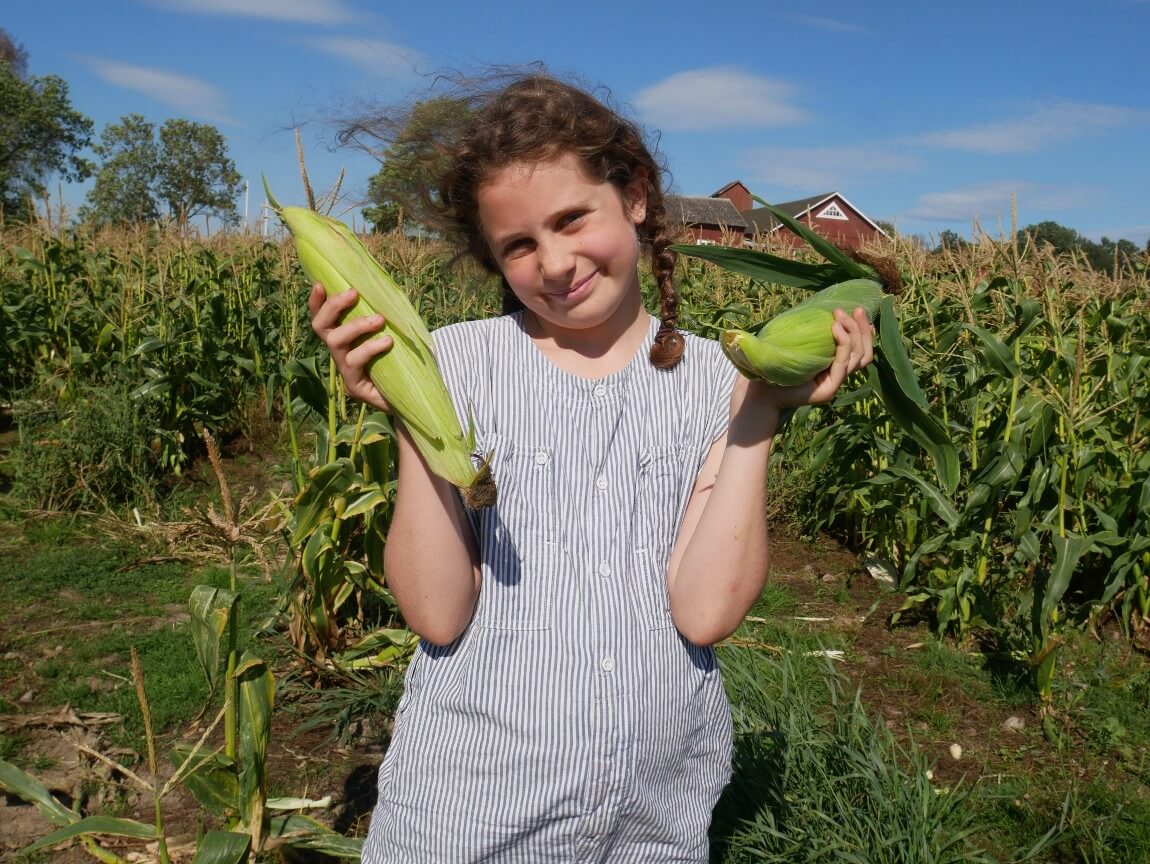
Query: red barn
829	214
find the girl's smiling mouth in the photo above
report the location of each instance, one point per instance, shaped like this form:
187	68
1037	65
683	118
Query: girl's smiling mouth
577	290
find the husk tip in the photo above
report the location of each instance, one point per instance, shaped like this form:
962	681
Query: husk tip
275	205
482	493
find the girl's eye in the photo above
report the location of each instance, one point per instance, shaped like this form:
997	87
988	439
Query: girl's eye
573	218
516	248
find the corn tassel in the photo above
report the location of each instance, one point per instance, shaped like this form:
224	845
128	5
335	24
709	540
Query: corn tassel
793	347
406	375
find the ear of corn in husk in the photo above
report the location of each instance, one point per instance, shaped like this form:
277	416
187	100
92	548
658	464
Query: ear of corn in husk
891	377
794	346
406	375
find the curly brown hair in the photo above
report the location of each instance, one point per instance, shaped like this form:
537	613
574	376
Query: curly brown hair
535	116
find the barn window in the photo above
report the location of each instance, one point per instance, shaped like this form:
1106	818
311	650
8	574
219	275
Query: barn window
831	211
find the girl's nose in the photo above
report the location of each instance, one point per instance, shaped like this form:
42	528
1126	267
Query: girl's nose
555	260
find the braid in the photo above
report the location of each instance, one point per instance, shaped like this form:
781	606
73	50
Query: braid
668	348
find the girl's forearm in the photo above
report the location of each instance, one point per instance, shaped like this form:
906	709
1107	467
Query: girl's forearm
723	568
430	561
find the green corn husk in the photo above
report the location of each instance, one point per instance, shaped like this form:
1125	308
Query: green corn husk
407	374
794	346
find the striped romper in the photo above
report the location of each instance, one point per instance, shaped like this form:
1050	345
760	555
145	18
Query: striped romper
571	722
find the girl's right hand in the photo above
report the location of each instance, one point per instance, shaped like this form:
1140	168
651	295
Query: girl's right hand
350	355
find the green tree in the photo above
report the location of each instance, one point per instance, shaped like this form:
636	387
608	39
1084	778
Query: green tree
1103	256
1110	252
182	172
40	133
195	176
410	162
1061	238
386	213
124	191
949	239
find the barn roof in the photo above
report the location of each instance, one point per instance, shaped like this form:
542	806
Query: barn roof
760	220
704	210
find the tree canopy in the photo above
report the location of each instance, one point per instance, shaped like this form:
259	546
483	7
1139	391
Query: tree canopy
41	134
195	174
1102	255
411	162
123	191
183	171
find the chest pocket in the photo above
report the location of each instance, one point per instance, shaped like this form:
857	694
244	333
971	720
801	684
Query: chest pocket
517	539
665	478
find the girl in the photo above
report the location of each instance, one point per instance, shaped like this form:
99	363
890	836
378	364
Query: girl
565	703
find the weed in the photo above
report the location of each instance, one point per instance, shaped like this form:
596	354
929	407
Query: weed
817	780
355	711
89	451
10	746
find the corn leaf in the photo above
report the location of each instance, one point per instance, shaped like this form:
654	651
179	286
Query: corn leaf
1067	551
995	352
893	378
303	832
314	503
256	698
916	421
23	785
210	609
223	847
212	778
764	266
96	825
308	385
939	501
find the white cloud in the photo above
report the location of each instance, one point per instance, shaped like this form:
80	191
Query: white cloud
823	169
376	56
719	97
1041	127
993	201
300	11
828	24
191	96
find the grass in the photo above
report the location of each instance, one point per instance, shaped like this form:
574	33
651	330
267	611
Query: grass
817	778
1081	796
85	600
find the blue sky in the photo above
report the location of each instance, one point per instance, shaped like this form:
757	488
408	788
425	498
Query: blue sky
928	115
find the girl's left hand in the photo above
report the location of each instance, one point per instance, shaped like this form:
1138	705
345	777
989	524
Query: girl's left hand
854	350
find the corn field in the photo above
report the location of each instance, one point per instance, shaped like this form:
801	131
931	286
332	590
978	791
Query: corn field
1038	366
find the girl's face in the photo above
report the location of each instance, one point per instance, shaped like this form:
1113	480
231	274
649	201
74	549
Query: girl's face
566	243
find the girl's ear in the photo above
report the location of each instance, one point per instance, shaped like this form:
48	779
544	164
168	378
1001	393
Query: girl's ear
635	194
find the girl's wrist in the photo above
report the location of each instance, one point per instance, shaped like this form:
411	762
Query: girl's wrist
755	409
